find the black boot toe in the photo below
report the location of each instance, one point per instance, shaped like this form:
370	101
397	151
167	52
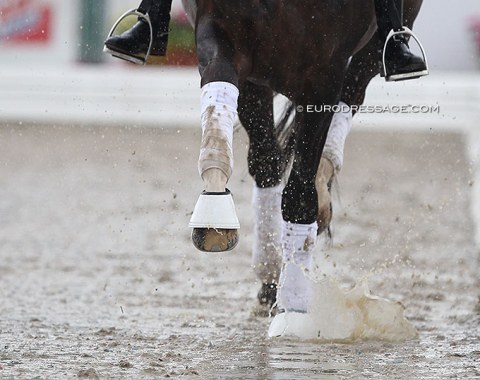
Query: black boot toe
401	63
136	41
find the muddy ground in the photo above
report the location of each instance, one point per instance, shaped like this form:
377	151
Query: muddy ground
98	278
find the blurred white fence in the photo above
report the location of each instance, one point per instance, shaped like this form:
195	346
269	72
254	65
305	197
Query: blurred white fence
169	98
104	94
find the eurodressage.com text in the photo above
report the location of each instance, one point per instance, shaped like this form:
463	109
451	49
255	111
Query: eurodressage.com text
410	108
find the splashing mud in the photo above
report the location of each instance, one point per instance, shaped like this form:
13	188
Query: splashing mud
347	316
98	276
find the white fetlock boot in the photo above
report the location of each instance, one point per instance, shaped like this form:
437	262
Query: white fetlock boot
295	285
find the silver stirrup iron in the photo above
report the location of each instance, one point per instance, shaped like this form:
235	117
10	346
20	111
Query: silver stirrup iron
408	32
126	57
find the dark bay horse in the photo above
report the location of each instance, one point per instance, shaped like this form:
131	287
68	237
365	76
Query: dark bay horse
316	53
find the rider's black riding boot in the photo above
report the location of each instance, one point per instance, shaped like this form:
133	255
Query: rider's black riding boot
400	62
135	41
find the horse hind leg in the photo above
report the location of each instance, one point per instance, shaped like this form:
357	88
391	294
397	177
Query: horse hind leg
362	69
266	165
364	65
331	163
323	184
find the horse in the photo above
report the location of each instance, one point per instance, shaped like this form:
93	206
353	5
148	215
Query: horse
314	52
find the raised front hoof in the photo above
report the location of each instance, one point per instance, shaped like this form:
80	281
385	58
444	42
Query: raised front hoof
214	222
214	240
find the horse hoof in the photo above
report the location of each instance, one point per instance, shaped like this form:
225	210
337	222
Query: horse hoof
214	239
215	223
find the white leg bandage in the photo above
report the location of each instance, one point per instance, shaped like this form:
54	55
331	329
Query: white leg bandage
218	113
337	134
267	243
294	286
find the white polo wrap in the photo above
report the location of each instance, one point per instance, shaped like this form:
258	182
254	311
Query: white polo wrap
218	114
337	134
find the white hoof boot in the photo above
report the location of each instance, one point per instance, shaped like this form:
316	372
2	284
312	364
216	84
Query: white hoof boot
215	223
287	323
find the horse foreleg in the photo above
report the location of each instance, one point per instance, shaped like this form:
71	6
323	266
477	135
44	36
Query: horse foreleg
299	209
218	113
300	197
299	240
214	218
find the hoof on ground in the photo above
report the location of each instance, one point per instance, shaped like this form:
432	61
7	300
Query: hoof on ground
214	239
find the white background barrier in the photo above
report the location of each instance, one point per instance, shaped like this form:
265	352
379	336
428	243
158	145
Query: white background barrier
151	96
127	95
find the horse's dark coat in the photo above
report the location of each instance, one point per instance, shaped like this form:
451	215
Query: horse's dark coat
301	49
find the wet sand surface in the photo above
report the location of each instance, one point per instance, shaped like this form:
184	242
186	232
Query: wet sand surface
99	279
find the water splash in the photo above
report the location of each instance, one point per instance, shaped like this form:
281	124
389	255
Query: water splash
338	315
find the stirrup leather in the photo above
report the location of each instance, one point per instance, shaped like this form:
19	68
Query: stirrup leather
124	56
389	76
